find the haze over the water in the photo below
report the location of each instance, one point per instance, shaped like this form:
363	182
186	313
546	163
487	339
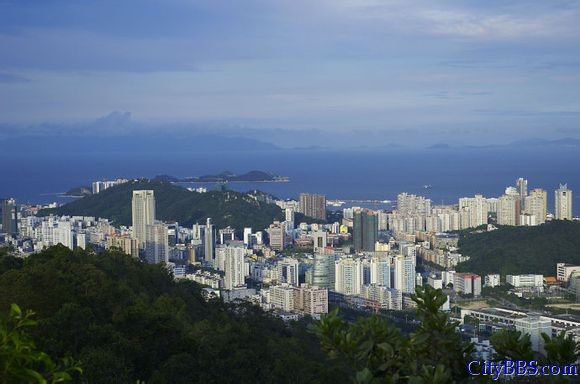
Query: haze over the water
335	73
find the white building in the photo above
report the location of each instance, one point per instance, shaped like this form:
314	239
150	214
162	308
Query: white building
534	326
348	276
476	209
536	205
143	212
492	280
563	203
380	271
282	297
156	243
435	282
388	298
563	271
288	271
525	281
234	267
467	283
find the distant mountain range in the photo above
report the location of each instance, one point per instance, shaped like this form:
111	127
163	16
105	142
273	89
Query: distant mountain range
146	143
174	203
527	143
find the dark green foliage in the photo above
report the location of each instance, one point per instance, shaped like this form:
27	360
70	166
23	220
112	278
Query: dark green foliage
20	360
518	250
379	353
176	204
509	344
561	349
127	321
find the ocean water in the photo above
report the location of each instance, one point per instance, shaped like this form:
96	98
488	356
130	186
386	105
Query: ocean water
372	174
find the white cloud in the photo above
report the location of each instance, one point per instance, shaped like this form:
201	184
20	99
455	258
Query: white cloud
509	21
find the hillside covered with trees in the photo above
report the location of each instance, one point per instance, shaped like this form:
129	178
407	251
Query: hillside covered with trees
108	318
123	321
518	250
175	203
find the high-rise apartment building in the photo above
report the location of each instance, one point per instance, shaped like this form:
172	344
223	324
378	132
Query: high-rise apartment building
409	204
234	266
508	210
536	204
9	217
323	270
313	205
311	300
209	241
365	230
348	276
125	243
476	210
563	203
156	243
143	214
522	188
380	271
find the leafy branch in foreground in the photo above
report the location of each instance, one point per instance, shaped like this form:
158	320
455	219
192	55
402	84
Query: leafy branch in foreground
20	361
378	352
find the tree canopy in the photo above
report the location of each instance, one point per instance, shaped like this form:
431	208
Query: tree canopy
125	321
174	203
520	250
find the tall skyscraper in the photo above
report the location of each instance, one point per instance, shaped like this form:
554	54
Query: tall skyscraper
289	220
209	241
248	237
313	205
563	203
143	214
197	234
522	188
536	205
365	230
9	217
234	266
323	270
157	243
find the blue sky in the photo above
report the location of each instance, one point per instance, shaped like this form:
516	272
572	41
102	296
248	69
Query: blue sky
310	72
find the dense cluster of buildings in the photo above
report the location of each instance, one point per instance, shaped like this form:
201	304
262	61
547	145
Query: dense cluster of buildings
369	258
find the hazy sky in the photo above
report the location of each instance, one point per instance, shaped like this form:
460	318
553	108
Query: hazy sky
433	71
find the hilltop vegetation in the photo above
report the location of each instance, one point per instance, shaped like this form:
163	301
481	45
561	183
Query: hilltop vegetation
125	321
176	204
518	250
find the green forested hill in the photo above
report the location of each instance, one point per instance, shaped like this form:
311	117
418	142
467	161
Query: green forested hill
126	321
515	250
176	204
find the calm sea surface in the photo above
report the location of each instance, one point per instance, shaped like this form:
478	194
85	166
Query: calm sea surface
374	175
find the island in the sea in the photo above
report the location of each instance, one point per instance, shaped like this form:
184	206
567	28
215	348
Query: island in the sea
81	191
225	177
